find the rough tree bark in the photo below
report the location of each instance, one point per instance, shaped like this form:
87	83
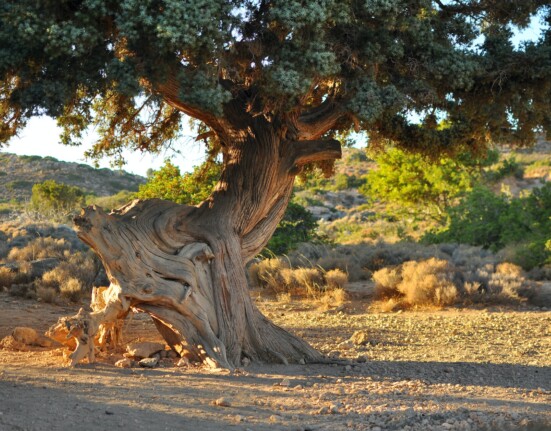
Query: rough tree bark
185	266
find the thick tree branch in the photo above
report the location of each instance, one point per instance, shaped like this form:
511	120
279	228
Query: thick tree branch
315	151
170	90
314	123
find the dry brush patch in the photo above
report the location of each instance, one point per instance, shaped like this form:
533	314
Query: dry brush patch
437	282
68	271
312	282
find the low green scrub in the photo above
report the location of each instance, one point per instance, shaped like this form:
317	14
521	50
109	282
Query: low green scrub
56	200
492	221
413	183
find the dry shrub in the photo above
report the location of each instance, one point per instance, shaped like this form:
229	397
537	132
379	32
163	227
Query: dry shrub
277	276
46	294
504	283
333	298
19	275
7	277
40	248
72	278
71	289
310	280
348	264
429	282
386	282
510	269
335	279
267	274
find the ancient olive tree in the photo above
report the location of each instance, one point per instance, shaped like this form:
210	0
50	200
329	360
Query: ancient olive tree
269	83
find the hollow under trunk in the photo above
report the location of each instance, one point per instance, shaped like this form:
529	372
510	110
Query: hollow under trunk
185	266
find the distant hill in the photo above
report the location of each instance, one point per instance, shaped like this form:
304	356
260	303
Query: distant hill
18	174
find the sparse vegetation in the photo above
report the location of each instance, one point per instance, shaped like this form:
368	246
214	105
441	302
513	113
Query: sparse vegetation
45	261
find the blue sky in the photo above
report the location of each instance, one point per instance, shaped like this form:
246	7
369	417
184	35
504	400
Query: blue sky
41	137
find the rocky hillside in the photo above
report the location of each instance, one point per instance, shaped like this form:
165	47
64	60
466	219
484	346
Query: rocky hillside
18	174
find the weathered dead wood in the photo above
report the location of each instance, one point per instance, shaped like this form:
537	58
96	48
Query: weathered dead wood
185	266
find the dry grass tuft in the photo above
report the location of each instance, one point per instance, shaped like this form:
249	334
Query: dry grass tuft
335	279
309	280
332	298
40	248
72	289
266	274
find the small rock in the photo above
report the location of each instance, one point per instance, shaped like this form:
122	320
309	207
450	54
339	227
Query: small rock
163	354
324	410
334	409
149	362
24	335
245	362
239	418
144	349
359	338
124	363
302	361
222	402
348	368
274	418
285	382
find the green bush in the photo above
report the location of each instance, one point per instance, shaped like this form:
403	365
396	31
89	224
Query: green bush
298	225
51	197
421	185
509	167
497	221
191	188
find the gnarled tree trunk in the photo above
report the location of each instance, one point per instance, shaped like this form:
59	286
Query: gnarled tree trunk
185	266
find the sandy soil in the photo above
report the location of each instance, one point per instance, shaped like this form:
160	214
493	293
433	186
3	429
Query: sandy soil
440	370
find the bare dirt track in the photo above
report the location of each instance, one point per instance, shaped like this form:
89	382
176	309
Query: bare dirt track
432	370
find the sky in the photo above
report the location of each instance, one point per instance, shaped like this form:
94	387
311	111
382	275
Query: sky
41	137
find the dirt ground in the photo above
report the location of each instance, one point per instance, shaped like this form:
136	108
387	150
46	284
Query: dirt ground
432	370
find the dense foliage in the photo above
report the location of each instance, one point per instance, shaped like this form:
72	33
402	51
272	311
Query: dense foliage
56	199
190	188
298	225
420	184
497	221
132	68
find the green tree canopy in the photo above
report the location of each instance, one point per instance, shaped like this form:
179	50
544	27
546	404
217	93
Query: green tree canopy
55	198
132	68
420	184
190	188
